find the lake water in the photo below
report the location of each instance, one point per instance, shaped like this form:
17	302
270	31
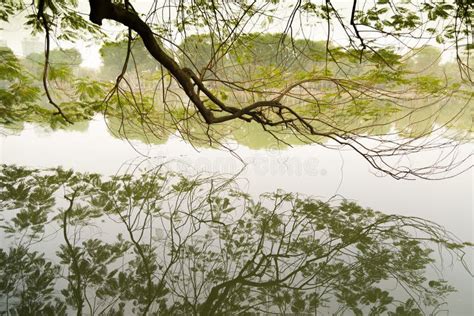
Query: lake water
309	169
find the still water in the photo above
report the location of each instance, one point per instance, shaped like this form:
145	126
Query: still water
311	170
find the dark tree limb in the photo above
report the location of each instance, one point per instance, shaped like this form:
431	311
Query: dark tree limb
42	16
105	9
269	113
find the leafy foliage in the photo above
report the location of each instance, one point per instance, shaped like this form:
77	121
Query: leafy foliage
114	54
187	68
199	246
17	93
27	283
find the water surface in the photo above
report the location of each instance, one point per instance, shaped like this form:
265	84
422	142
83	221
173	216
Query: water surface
310	169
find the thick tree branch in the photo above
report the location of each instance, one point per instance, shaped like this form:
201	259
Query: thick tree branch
270	113
105	9
42	16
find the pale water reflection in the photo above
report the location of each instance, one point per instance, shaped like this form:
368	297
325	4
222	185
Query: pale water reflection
311	170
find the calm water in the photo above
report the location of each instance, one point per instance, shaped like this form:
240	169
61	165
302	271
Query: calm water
311	170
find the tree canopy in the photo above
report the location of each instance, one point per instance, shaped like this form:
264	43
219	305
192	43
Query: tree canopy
374	77
386	79
180	245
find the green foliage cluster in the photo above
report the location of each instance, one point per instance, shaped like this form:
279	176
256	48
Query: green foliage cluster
199	246
114	54
63	63
17	91
27	283
61	14
314	91
257	62
22	98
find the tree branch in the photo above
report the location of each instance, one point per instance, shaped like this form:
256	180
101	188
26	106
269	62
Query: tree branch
105	9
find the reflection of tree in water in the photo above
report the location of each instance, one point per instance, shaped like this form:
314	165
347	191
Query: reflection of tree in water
422	98
199	246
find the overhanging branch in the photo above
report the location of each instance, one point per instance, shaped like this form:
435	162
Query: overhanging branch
105	9
271	112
